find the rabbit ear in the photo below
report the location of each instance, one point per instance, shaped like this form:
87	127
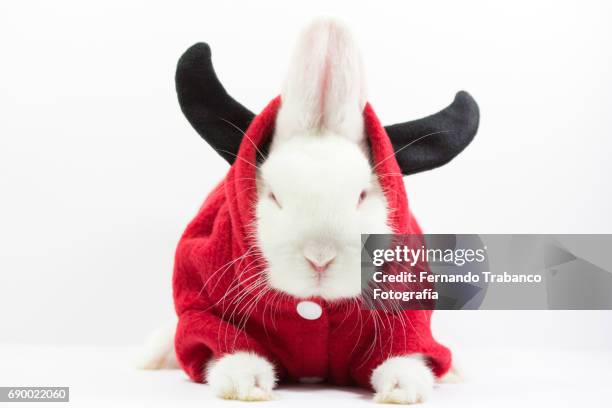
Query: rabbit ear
324	89
214	114
433	141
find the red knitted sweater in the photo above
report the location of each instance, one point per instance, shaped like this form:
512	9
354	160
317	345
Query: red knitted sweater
212	266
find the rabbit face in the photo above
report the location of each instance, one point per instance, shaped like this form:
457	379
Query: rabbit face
316	196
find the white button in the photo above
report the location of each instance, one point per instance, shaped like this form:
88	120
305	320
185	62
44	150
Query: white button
309	310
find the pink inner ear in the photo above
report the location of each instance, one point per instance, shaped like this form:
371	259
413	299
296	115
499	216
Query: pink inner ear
324	84
332	52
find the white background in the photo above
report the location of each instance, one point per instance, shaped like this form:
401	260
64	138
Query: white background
100	172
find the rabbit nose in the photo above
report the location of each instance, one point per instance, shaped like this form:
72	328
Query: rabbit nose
319	255
318	265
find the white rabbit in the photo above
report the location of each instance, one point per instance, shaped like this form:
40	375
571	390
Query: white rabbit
316	194
317	191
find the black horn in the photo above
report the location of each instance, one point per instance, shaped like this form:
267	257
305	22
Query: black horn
433	141
214	114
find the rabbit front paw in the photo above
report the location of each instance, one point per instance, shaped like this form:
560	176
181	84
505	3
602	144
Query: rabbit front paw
402	380
242	376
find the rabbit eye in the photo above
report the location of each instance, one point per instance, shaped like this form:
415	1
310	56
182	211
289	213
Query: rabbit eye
273	198
362	196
